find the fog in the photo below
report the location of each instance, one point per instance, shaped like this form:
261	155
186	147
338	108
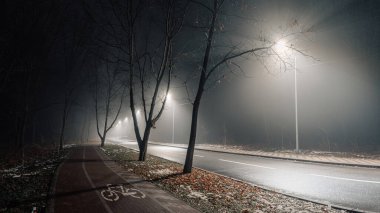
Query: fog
337	65
338	91
338	87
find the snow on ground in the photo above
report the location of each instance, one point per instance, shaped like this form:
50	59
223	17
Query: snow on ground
162	172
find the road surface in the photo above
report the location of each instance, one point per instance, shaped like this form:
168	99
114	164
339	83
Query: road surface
353	187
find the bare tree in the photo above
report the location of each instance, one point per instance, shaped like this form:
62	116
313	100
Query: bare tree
74	54
109	96
209	68
143	31
146	65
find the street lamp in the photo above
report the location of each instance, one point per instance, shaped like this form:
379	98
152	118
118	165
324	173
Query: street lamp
118	123
126	131
281	44
296	101
169	97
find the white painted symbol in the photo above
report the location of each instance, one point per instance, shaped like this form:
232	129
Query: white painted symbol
112	192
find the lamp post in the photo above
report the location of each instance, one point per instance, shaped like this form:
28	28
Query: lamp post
296	101
173	102
282	45
169	96
126	122
173	122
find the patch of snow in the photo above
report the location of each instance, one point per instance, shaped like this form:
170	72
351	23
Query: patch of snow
14	169
29	174
195	194
162	172
69	145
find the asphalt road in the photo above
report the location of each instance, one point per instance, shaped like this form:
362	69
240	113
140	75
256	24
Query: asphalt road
353	187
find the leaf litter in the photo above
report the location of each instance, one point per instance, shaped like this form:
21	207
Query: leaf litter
24	184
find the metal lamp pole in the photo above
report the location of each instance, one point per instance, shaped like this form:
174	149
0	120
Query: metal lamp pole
173	122
296	102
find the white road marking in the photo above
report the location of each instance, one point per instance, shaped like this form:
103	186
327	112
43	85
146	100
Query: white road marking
247	164
199	156
106	206
349	179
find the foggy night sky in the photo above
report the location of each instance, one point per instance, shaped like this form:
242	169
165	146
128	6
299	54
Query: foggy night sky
338	90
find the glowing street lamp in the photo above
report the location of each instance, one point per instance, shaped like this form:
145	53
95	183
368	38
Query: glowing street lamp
281	45
126	119
169	97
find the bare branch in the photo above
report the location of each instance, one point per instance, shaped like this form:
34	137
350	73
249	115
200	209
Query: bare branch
225	59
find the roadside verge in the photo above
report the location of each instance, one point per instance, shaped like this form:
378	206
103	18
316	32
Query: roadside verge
211	192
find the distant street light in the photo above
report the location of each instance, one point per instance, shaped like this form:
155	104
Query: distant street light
126	119
282	45
118	123
169	97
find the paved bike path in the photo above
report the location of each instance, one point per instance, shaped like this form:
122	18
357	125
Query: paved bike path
82	178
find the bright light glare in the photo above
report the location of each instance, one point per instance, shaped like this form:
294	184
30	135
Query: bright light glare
138	112
118	123
169	96
280	45
126	119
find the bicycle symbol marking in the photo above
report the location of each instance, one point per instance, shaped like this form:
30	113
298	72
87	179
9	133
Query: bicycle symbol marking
112	192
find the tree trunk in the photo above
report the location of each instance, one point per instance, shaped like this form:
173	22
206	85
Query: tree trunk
103	139
142	153
193	131
64	118
61	137
202	82
144	147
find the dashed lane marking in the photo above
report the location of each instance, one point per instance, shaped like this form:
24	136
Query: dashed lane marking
348	179
247	164
108	209
199	156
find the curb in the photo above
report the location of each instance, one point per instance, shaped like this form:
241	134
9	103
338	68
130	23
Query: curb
276	157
